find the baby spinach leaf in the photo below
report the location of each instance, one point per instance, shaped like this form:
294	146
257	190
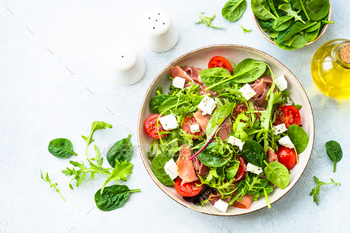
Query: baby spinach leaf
61	148
272	6
282	23
301	5
121	151
314	28
266	25
234	9
211	159
334	151
249	70
113	197
291	31
254	153
316	190
318	9
158	169
311	36
245	30
213	76
54	185
156	101
299	137
261	9
288	9
277	174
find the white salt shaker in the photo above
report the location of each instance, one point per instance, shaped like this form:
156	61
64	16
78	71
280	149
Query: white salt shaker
129	66
160	34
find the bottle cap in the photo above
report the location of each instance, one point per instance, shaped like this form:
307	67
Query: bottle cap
345	53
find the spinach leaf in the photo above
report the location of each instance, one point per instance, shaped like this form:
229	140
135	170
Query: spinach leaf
216	75
261	9
282	23
291	31
211	159
272	6
121	151
61	148
316	190
113	197
299	137
234	9
266	25
311	36
277	174
154	149
254	153
231	171
245	30
273	35
334	151
301	5
54	185
158	169
318	9
249	70
314	28
288	9
156	101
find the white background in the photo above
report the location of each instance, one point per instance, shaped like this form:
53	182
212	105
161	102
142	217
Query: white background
55	80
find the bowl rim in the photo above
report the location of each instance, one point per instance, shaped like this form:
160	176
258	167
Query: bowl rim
140	124
265	35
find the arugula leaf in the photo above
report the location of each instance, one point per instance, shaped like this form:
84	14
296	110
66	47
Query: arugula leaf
120	172
61	148
288	9
245	30
54	185
207	20
96	125
316	190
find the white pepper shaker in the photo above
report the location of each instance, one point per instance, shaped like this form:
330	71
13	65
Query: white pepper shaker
160	34
129	66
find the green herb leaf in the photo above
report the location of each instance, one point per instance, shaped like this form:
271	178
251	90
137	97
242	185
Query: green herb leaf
288	9
113	197
61	148
210	158
121	172
156	101
277	174
299	137
54	185
261	9
158	169
207	20
121	151
316	190
334	151
254	153
245	30
234	9
318	9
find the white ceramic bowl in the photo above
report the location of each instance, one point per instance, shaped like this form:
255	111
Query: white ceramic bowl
236	53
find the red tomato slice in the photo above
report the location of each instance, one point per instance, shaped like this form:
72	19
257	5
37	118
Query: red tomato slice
150	127
287	157
241	170
288	115
188	189
218	61
242	107
188	121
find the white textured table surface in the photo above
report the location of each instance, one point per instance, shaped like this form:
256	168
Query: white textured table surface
55	81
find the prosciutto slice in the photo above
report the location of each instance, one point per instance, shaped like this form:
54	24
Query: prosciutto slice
193	73
210	92
225	129
261	87
272	156
199	167
185	167
202	120
176	71
245	203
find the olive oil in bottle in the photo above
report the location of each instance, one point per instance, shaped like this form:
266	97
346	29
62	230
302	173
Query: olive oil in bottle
330	68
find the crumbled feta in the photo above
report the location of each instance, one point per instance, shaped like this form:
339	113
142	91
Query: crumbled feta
171	169
169	122
235	142
194	128
207	105
278	129
281	83
247	91
254	169
285	141
179	82
221	205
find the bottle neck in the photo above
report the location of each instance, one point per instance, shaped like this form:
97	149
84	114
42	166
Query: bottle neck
341	54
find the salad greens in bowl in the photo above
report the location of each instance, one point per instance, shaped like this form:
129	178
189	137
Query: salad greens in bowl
225	130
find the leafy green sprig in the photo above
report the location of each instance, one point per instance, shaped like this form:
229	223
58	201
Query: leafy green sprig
207	20
52	185
316	190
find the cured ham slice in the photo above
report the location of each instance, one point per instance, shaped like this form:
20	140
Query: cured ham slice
225	129
185	167
176	71
245	203
202	120
193	73
210	92
261	87
199	167
271	155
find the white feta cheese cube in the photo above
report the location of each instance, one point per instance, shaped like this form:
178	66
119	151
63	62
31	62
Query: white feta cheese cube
207	105
221	205
281	83
285	141
247	91
278	129
235	142
179	82
194	128
254	169
169	122
171	169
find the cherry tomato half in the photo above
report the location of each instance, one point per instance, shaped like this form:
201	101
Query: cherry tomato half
287	157
186	126
218	61
242	107
150	126
288	115
188	189
241	170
